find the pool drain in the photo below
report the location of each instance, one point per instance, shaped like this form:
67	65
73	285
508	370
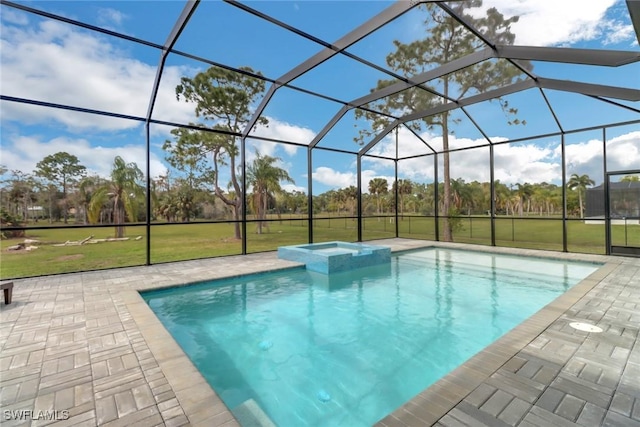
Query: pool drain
586	327
265	345
323	396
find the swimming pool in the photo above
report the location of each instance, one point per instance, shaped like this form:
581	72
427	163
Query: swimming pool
347	349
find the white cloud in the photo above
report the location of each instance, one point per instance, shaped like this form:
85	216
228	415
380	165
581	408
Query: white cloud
582	152
616	32
335	179
585	157
520	162
57	63
408	144
623	152
14	16
109	16
284	131
529	162
24	152
513	163
565	22
525	163
268	148
292	187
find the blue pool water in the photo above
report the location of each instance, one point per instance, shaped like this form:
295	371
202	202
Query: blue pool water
347	349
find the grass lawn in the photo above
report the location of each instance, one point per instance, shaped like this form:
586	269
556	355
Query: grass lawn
197	240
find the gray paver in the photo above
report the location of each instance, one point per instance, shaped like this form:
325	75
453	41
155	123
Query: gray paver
530	369
64	399
450	421
178	421
591	415
614	419
546	374
622	403
143	396
473	416
496	403
598	395
570	407
550	399
635	413
480	395
106	409
515	410
521	387
541	417
125	403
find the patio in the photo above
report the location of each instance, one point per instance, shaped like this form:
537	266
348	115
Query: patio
87	343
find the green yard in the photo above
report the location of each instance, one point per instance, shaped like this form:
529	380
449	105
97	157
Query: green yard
198	240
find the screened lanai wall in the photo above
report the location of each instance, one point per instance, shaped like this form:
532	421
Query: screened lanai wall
309	129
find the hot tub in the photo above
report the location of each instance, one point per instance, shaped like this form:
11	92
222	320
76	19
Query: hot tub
333	257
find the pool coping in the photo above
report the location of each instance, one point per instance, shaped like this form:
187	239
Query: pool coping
202	406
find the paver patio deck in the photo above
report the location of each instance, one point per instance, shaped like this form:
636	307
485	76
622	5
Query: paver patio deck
87	346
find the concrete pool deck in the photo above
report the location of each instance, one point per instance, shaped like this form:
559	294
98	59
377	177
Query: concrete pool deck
87	346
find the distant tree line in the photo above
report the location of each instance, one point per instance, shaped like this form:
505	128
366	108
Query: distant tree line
59	189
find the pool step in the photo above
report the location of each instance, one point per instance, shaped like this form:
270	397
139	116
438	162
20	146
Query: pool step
249	414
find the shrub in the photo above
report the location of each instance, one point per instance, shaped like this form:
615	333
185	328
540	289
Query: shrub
8	220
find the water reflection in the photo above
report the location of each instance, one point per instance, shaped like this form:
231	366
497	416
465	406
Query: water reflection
371	337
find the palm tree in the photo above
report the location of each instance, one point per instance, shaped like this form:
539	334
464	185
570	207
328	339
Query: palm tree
265	179
336	200
580	183
524	192
502	197
122	192
378	187
351	198
85	191
405	186
167	208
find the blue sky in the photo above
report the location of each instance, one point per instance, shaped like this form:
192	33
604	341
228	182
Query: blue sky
51	61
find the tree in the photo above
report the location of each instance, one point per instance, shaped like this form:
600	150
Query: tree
86	188
178	202
224	98
524	192
446	40
378	187
22	194
61	168
630	178
405	187
580	183
123	193
265	177
350	198
502	197
8	220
